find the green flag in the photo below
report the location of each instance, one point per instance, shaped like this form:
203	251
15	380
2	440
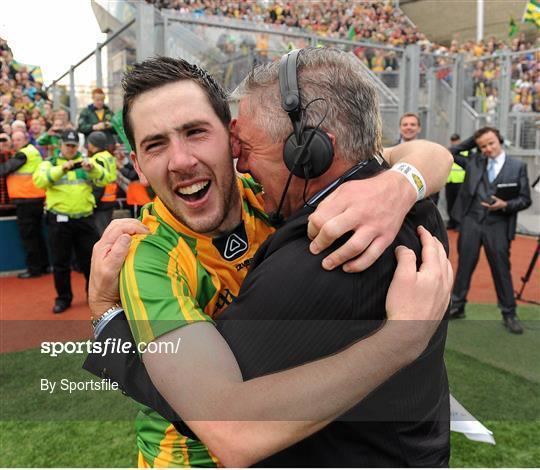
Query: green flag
512	27
116	122
532	12
351	35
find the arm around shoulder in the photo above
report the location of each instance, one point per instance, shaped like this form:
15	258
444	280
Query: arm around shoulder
432	160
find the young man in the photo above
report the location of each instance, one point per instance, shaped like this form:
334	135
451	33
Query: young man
409	127
204	229
496	188
97	116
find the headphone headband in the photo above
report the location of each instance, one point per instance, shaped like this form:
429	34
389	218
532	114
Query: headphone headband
288	83
307	152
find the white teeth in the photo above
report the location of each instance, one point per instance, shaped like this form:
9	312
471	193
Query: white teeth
193	188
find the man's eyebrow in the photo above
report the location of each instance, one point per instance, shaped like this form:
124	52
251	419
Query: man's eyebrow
184	127
151	137
191	124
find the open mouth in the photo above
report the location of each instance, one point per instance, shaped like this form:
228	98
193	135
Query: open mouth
194	192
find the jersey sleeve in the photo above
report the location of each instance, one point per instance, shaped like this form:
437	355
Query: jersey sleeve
155	290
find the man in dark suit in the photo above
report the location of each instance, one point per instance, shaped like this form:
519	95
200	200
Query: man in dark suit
495	189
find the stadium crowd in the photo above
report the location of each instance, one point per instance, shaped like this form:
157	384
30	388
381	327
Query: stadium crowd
25	106
44	171
380	23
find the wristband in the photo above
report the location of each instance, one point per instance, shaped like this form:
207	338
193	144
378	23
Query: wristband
414	177
100	323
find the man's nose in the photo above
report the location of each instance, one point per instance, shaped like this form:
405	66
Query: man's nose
181	156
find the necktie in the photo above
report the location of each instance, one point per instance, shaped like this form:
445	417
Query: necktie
491	171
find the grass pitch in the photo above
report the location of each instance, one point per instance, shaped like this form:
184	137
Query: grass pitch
495	375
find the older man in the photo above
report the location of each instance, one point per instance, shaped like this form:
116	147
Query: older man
204	230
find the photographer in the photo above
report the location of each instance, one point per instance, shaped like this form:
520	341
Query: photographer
70	207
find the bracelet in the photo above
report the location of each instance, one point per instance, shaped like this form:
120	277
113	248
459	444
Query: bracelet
414	177
98	324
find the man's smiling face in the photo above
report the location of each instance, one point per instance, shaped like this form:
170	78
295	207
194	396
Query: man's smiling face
182	151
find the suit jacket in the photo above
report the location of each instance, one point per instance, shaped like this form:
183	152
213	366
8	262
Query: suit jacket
513	172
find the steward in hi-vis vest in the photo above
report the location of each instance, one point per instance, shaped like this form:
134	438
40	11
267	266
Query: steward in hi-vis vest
28	200
69	201
453	184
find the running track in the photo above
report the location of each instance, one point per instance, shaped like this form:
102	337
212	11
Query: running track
27	303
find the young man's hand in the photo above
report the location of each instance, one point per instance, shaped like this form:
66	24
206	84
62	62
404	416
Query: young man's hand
419	299
108	257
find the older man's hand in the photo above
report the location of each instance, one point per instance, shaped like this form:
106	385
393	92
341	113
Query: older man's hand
108	257
373	209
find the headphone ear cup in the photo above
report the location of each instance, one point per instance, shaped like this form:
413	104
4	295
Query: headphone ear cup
318	156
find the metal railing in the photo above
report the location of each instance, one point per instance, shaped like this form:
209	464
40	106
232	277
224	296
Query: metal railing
440	88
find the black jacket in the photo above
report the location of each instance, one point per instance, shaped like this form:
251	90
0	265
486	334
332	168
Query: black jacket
513	172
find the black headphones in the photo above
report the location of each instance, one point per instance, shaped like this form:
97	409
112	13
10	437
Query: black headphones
308	152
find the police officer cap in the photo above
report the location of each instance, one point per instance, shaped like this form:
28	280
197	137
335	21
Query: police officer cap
70	137
98	139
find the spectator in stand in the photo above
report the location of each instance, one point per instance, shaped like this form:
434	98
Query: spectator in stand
5	143
28	200
47	112
34	131
20	116
97	117
63	115
536	97
18	126
52	138
523	106
492	102
6	153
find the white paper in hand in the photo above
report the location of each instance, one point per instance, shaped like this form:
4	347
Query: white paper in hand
464	422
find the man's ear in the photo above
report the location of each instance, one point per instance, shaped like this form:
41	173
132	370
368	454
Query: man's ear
236	145
142	178
332	138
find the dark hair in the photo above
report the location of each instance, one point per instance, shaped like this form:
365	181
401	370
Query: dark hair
484	130
410	115
159	71
455	137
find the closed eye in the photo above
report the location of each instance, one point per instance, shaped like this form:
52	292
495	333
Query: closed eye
152	146
195	131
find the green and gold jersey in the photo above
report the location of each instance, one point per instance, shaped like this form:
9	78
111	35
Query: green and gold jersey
173	277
